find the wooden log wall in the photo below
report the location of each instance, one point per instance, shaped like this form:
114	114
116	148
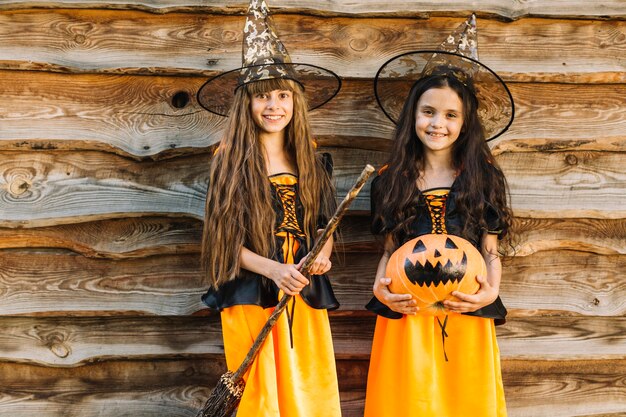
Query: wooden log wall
103	164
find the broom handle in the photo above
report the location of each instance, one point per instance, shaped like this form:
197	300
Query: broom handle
317	248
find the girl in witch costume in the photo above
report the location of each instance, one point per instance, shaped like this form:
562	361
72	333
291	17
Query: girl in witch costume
269	195
440	178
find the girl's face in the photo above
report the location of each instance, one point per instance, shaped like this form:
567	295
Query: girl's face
439	119
272	111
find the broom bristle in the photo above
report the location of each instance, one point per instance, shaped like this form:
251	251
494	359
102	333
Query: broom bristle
224	398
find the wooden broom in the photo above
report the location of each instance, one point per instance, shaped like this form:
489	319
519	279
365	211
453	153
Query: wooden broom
226	395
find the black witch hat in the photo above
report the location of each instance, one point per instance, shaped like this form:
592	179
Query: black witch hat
457	56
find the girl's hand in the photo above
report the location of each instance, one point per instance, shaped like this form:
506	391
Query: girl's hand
320	266
400	303
486	295
288	278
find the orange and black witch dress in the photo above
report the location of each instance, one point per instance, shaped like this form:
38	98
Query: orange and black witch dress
294	373
427	366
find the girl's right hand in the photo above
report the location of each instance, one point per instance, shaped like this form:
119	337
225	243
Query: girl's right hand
288	278
401	303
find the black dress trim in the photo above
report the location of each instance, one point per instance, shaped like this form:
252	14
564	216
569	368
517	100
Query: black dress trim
255	289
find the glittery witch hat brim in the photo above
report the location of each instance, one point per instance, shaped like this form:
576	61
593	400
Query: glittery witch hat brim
396	77
320	85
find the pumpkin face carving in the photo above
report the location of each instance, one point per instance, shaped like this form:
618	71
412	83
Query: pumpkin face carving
431	266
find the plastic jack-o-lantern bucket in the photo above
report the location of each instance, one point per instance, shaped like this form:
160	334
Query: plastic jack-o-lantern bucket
431	266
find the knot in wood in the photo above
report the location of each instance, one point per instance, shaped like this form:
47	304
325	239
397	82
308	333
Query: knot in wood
80	39
571	159
19	186
60	349
358	45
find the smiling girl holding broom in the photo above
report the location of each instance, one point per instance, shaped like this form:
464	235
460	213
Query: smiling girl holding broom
269	195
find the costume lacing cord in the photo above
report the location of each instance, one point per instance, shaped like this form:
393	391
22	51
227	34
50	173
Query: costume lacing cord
290	231
436	202
444	334
437	208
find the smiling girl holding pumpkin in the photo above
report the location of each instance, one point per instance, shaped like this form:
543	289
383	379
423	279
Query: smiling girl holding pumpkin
269	195
440	179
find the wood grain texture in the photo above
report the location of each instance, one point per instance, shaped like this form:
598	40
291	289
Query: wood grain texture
60	284
135	116
146	236
112	239
115	388
43	188
51	188
508	9
569	184
59	342
200	44
177	387
546	283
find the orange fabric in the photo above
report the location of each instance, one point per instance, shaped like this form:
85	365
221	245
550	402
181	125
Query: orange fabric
409	376
284	381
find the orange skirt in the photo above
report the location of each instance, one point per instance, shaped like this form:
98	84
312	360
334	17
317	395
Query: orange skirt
284	381
410	377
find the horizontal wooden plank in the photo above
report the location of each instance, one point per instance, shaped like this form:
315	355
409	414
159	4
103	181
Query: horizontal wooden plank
179	387
52	188
599	236
136	116
118	388
509	10
133	116
42	188
545	283
145	236
57	283
112	239
565	388
68	342
195	44
571	184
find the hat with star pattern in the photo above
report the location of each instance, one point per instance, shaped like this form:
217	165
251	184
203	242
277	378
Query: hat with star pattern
264	57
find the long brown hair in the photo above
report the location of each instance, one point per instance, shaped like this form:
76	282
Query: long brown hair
238	208
481	182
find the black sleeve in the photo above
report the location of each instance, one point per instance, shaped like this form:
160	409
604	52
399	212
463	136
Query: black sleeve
327	162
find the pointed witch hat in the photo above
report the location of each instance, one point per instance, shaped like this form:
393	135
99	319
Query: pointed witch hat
457	56
264	57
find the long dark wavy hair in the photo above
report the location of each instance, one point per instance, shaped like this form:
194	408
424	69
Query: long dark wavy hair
238	208
481	182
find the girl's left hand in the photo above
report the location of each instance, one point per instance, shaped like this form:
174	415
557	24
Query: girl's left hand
321	265
486	295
